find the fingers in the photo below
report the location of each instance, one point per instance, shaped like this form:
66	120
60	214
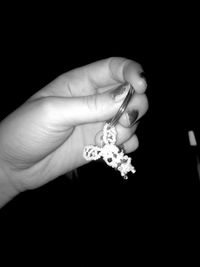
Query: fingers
100	76
73	111
126	70
109	72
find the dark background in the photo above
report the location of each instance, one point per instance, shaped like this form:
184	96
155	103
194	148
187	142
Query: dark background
151	208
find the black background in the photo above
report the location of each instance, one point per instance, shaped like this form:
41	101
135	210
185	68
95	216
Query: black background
149	210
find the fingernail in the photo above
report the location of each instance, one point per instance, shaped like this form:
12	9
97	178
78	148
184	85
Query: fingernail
120	92
132	117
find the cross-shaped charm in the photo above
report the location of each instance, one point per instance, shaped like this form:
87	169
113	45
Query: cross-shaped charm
110	153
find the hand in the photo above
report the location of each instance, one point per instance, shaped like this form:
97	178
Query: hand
44	138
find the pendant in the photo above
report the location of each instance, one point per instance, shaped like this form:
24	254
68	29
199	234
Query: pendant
111	154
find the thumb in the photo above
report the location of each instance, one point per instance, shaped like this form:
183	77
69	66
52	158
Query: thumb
87	109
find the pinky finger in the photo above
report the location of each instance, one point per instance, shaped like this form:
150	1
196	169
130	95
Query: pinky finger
130	145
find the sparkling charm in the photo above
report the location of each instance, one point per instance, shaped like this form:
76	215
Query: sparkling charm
110	153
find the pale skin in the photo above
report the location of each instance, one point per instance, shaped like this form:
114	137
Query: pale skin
44	138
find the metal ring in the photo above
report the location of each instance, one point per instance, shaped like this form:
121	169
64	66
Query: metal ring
123	107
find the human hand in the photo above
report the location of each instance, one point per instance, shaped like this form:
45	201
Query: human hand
44	138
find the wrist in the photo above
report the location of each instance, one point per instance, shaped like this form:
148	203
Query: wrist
7	189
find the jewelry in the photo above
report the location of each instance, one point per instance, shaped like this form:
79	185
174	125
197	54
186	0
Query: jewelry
111	154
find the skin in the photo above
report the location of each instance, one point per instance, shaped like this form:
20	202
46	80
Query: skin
44	138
